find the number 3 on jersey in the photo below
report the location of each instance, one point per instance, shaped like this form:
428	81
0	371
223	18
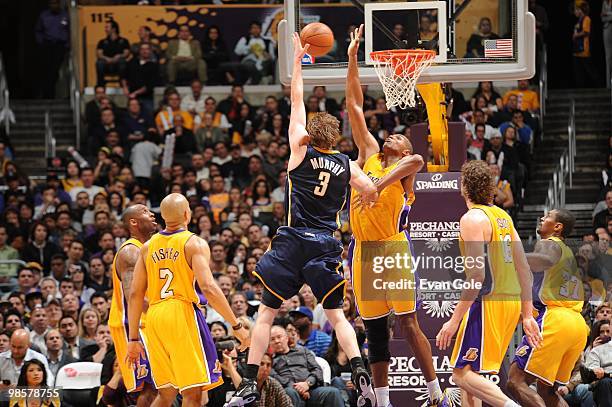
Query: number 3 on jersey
321	189
166	274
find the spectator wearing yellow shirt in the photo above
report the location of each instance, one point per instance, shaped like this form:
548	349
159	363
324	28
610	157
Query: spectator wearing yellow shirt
165	118
219	198
527	98
503	191
584	74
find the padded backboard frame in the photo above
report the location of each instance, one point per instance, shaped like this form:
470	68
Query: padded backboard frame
369	8
522	67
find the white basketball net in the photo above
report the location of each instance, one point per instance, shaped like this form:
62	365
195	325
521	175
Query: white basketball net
398	72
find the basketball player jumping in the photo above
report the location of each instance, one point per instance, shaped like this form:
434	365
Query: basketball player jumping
140	221
394	168
178	342
487	317
558	296
305	251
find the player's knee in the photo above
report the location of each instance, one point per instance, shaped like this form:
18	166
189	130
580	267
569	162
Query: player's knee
409	322
193	395
377	333
459	376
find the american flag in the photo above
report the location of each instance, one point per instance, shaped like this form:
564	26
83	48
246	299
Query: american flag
498	48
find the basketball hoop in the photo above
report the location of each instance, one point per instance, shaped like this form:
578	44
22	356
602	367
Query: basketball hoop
398	71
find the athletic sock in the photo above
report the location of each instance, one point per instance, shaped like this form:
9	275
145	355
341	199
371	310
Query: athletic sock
250	371
511	403
382	396
435	392
357	363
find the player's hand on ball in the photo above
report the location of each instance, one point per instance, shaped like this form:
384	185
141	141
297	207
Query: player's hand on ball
135	351
298	50
355	39
445	336
243	337
532	332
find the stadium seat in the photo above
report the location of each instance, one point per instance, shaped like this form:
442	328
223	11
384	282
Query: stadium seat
326	370
79	382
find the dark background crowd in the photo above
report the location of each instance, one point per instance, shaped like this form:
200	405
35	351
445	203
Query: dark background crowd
58	236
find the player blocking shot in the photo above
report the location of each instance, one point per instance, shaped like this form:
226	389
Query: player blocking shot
140	222
486	317
558	297
385	222
178	343
305	250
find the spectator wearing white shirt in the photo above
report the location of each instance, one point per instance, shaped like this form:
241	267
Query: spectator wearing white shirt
39	324
12	360
87	177
143	156
194	102
256	53
480	117
599	361
278	194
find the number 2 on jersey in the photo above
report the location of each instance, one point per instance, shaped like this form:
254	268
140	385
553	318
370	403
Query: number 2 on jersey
321	189
166	274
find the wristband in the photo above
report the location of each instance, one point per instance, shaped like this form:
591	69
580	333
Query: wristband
134	340
237	326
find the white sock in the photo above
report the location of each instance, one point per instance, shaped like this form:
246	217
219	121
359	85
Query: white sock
511	403
435	392
382	396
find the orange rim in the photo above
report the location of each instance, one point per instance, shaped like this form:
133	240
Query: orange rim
399	53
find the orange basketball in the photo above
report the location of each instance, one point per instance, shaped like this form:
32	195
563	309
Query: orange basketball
319	36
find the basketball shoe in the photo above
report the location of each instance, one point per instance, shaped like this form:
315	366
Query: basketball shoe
246	395
363	384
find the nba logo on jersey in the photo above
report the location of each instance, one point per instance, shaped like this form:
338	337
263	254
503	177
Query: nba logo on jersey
308	59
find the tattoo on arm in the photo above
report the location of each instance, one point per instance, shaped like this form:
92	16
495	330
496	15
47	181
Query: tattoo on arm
126	261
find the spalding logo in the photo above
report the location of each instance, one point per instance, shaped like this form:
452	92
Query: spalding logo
437	183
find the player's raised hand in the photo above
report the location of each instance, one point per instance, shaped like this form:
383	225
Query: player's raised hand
355	40
243	337
445	336
135	351
532	332
298	50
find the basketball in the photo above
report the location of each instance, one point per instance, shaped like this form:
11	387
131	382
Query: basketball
319	36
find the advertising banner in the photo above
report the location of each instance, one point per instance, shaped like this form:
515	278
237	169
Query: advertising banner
164	21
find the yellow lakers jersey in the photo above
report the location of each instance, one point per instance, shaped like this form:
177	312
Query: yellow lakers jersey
500	274
560	285
389	215
169	275
118	311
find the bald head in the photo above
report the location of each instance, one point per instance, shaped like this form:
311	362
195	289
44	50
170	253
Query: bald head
175	210
20	342
131	213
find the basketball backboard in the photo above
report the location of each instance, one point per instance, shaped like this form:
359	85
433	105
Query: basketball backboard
475	40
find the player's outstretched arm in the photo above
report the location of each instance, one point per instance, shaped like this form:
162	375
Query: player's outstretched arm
138	290
472	226
366	143
545	254
363	184
199	252
530	326
407	166
298	137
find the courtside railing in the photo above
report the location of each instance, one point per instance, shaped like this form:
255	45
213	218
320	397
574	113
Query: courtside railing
6	114
555	197
543	85
75	99
49	138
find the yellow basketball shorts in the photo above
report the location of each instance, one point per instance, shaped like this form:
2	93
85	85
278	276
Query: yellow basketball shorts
565	334
373	298
133	378
485	333
180	348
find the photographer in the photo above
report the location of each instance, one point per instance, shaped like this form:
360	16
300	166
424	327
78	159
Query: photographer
228	358
598	364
